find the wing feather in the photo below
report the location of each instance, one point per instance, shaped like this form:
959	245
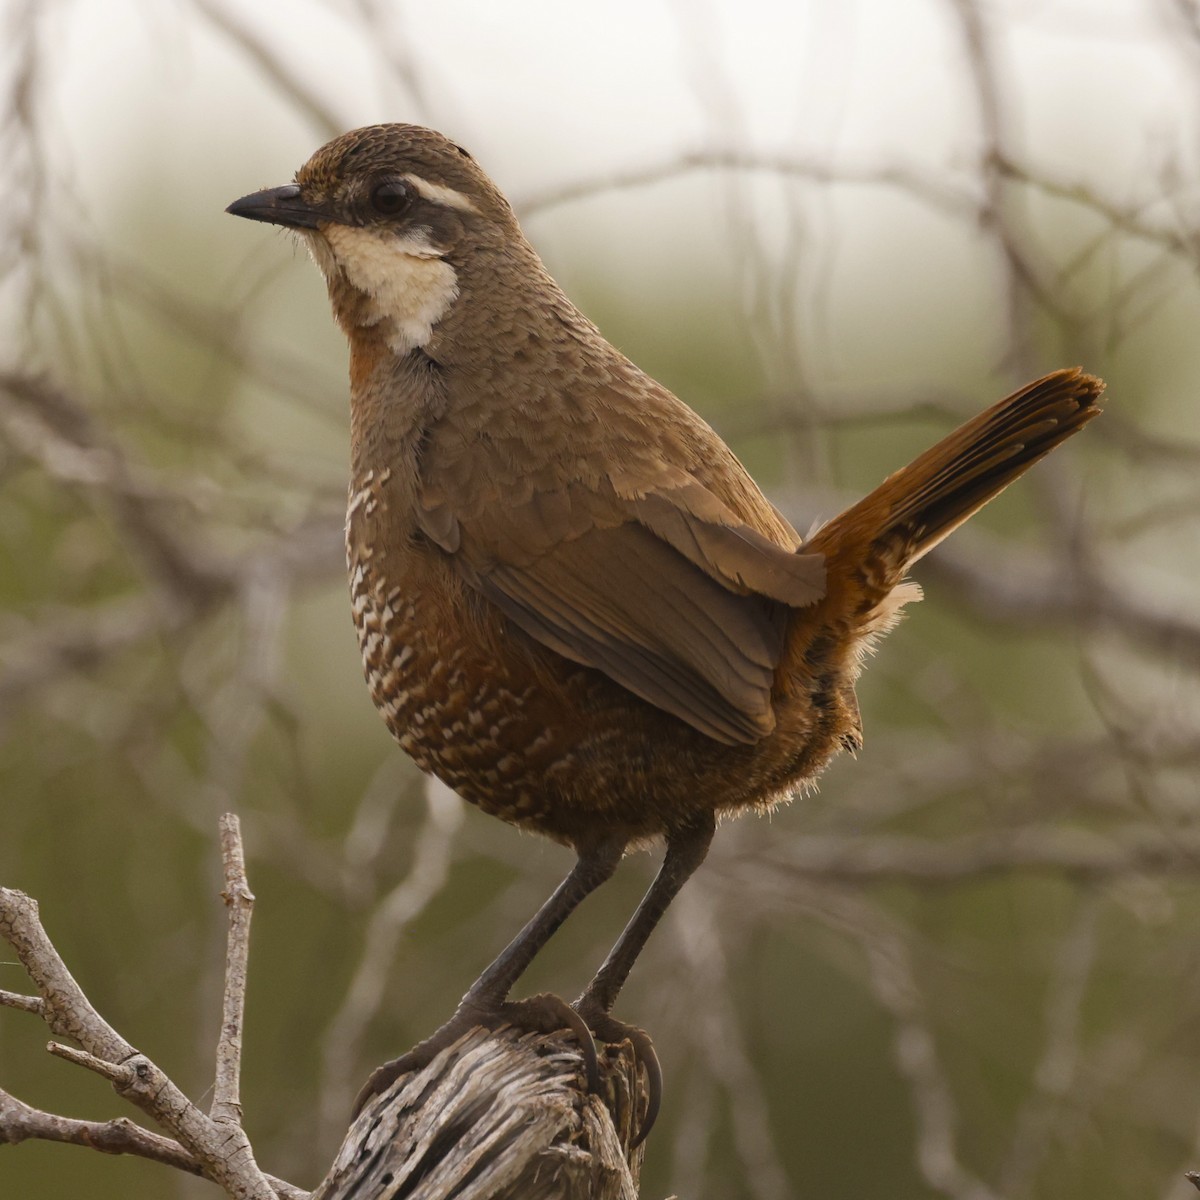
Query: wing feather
666	593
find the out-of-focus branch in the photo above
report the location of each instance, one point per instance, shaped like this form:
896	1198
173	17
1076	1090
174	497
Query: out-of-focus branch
186	580
51	427
1005	589
894	981
387	27
934	191
1052	849
1120	218
74	641
271	65
714	1035
1056	1076
367	989
1021	276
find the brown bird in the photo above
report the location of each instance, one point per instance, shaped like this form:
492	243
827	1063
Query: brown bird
575	606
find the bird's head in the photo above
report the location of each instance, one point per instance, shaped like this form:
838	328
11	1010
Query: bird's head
393	215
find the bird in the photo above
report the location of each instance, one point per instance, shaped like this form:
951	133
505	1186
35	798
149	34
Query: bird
574	605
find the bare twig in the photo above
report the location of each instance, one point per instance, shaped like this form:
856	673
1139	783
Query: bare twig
20	1122
221	1147
29	1004
227	1103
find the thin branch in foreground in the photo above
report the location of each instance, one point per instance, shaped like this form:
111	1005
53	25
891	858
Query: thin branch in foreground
29	1004
220	1146
21	1122
239	899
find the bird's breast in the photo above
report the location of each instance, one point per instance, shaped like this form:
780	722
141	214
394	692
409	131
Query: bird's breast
440	669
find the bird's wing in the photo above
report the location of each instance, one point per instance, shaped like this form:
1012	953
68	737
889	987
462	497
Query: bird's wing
666	592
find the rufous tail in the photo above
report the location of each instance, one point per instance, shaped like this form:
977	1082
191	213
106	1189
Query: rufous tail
919	505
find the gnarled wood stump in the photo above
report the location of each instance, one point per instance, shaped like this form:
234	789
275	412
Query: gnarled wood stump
497	1116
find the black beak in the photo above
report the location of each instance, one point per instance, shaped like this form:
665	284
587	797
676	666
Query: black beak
278	206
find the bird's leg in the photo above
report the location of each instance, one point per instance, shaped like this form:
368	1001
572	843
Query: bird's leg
594	866
687	847
486	1001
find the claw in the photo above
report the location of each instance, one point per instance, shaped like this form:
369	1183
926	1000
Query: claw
611	1031
545	1013
643	1049
548	1013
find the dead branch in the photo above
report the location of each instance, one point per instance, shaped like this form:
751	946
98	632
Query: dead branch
218	1145
497	1116
227	1104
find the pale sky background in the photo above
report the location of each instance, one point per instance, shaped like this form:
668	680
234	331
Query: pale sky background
157	99
546	94
564	88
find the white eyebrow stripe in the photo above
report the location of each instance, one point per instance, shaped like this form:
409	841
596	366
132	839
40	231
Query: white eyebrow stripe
440	194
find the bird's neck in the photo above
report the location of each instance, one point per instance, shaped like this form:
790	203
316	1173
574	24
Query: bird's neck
393	399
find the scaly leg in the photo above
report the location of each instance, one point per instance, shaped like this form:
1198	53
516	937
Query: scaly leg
486	1002
686	849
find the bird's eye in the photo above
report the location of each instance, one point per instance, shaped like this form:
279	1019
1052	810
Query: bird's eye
390	198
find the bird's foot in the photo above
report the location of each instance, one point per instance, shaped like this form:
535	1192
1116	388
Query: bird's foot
544	1013
608	1030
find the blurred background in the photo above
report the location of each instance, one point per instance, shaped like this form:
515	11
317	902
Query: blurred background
969	966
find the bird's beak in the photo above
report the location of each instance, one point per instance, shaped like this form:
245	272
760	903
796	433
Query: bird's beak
279	206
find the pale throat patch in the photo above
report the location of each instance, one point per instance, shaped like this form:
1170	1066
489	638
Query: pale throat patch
408	283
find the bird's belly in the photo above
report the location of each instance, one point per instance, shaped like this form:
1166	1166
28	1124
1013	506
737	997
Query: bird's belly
539	741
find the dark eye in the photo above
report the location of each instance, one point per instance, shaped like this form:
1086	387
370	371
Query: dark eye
390	198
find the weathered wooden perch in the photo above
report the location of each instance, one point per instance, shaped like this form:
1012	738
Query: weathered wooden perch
497	1116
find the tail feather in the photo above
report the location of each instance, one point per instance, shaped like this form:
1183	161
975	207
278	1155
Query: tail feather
919	505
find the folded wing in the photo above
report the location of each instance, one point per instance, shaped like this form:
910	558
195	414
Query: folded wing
667	593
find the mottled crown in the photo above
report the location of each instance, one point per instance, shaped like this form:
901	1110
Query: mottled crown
399	149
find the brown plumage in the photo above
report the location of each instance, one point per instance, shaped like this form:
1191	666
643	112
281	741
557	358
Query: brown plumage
574	605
